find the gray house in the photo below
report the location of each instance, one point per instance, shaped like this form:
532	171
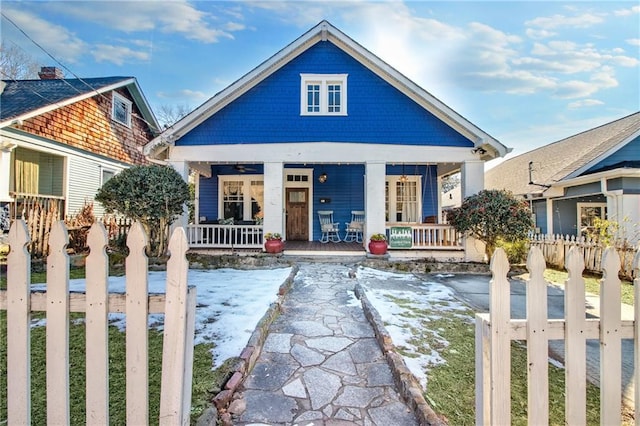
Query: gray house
569	183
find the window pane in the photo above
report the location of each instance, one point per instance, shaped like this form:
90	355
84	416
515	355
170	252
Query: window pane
334	101
233	200
313	98
257	200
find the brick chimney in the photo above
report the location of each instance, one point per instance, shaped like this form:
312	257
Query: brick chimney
50	73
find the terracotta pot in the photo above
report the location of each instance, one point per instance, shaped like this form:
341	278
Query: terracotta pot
273	246
378	247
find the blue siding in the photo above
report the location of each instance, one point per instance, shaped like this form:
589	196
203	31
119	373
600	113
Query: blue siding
629	152
539	208
208	200
377	112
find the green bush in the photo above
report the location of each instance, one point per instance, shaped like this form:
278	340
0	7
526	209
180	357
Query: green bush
516	251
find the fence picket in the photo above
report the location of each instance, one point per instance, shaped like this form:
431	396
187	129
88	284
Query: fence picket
636	316
610	343
176	341
58	326
97	333
575	342
18	325
137	284
537	340
500	314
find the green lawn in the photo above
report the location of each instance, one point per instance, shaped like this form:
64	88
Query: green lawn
591	283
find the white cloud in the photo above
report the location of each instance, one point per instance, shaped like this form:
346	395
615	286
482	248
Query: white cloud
538	34
626	12
633	41
117	54
559	21
55	39
174	17
584	103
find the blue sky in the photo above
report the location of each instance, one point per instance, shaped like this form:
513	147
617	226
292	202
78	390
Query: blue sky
526	72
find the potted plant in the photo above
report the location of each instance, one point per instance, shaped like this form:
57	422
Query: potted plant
273	242
378	244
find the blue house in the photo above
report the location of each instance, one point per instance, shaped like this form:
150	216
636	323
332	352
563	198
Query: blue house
325	126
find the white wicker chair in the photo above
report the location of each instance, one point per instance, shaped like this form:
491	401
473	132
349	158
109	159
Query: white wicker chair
355	227
330	229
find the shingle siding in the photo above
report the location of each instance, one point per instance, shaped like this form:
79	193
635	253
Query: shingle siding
87	125
377	112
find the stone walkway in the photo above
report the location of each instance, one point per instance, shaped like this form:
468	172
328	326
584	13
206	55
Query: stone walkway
321	364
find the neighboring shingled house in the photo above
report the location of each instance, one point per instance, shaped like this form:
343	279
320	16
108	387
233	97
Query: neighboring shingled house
595	173
61	139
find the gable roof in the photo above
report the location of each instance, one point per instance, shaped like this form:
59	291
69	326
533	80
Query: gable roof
23	99
564	159
324	31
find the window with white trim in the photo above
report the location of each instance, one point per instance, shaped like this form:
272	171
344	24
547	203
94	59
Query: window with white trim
587	215
105	175
323	94
121	109
242	197
403	200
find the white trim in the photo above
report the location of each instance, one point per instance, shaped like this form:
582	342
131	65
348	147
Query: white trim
299	184
116	100
393	180
108	170
580	206
246	192
323	80
604	155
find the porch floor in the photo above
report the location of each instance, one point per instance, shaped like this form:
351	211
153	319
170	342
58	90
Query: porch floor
308	247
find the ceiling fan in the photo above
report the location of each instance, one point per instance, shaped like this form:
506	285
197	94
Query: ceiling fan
242	169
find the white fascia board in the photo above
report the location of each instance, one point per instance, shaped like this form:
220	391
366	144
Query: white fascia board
604	155
596	177
143	105
66	102
322	152
416	93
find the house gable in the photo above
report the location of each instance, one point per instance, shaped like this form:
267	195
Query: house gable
87	125
627	156
377	111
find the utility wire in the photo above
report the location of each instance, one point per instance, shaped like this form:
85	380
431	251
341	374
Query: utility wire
152	125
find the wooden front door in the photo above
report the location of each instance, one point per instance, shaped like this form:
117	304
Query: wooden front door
297	214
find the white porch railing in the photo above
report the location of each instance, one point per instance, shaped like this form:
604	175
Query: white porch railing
224	236
431	236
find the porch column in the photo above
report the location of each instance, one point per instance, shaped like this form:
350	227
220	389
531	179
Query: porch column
273	197
183	170
472	177
374	200
472	182
5	170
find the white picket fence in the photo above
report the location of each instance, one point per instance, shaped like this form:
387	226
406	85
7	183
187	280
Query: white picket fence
555	249
178	305
496	330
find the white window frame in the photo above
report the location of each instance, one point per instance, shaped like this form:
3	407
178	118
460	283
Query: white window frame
246	193
580	206
391	202
117	100
104	170
324	81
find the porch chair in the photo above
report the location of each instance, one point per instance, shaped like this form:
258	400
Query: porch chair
330	229
354	228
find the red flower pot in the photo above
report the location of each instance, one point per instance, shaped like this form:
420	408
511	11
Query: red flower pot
273	246
378	247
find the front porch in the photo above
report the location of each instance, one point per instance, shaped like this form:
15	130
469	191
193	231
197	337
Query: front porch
400	237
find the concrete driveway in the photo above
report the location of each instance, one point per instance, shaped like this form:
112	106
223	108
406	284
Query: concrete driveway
474	291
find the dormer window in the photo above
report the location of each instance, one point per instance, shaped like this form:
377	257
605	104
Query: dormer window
121	109
323	94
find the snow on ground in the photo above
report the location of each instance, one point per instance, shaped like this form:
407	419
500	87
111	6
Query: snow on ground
230	303
402	301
